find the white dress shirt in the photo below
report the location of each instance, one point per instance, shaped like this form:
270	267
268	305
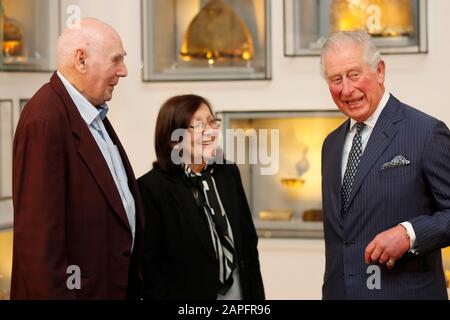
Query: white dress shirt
94	120
365	135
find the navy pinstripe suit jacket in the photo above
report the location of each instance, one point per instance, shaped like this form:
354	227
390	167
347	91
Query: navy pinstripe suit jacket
381	199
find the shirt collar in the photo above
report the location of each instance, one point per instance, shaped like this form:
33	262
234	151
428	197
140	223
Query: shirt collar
372	120
88	112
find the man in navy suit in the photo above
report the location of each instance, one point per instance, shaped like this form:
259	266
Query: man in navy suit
385	184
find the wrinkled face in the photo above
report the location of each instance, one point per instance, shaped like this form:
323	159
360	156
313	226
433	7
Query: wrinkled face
355	87
203	133
105	65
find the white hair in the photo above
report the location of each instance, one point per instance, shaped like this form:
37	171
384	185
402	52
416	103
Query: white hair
371	54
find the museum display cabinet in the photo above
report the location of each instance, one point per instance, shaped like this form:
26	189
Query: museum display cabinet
278	153
197	40
28	33
6	240
7	126
396	26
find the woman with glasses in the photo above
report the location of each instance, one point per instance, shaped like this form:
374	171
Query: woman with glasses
200	241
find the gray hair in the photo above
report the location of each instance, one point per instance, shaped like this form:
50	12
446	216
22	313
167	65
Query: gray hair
371	54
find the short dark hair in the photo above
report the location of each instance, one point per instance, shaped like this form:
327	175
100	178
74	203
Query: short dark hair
175	113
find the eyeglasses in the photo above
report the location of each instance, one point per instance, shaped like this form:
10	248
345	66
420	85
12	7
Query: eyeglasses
201	125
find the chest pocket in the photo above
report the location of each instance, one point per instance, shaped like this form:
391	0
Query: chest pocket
397	167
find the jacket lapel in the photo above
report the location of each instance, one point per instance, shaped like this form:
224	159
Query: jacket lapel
190	211
384	131
130	175
90	152
337	148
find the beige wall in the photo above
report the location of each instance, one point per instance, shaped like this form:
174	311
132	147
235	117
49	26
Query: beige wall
420	80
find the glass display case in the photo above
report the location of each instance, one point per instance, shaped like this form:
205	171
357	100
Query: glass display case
206	40
9	115
279	157
446	263
28	33
396	26
7	125
6	138
6	241
22	103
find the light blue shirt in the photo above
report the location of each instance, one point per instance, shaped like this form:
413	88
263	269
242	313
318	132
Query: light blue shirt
94	120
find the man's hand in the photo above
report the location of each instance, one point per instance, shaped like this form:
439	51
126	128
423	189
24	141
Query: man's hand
387	247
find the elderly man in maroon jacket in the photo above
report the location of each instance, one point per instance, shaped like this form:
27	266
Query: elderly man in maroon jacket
77	212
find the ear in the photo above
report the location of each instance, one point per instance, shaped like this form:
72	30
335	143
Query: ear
80	60
381	71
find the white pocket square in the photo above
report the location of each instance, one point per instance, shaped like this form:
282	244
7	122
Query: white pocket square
397	161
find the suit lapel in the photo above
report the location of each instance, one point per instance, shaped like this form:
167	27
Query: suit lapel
90	152
194	215
98	167
130	174
384	131
337	148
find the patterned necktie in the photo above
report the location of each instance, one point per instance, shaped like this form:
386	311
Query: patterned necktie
352	165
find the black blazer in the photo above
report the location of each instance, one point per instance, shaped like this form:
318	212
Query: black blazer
179	260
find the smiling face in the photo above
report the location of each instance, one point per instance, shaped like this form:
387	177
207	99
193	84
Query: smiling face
203	142
355	87
105	65
91	58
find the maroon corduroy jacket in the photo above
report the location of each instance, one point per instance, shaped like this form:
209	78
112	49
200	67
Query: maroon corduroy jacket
67	210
